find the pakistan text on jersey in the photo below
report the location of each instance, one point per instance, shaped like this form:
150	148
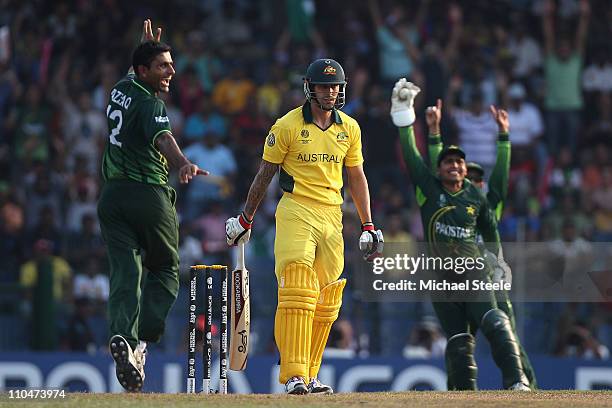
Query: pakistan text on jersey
120	98
319	157
453	231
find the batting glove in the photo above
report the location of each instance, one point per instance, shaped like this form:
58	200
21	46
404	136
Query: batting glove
238	230
371	242
402	103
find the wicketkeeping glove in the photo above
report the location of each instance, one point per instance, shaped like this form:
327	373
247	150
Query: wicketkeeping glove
501	270
402	103
371	242
238	230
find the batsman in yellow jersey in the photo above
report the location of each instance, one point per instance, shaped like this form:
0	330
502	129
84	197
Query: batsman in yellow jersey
310	145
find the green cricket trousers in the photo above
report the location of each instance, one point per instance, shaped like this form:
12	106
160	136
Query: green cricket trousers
140	227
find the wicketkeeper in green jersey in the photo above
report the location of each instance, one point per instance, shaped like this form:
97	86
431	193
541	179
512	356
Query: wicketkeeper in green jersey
452	211
136	207
496	195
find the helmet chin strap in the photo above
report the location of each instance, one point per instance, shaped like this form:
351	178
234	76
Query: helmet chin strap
309	97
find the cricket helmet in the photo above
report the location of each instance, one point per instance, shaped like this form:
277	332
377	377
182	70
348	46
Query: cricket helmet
325	71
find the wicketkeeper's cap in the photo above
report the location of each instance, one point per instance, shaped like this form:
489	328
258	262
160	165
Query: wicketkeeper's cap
448	150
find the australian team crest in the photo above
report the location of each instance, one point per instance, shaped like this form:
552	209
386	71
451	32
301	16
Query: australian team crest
341	137
271	140
329	70
304	133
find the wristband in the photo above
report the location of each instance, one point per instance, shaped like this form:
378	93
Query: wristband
367	226
244	221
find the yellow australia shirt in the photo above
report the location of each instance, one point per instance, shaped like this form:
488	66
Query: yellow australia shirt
311	159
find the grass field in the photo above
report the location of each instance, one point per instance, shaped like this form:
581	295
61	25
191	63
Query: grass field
375	399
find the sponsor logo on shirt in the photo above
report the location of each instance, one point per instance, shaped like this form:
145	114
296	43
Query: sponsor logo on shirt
162	119
442	200
271	140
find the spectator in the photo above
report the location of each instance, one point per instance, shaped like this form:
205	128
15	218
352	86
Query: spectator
211	227
190	91
341	342
476	126
31	123
526	128
230	95
47	279
206	120
46	229
602	200
43	191
577	254
85	243
84	130
397	38
92	284
219	161
579	342
197	55
426	341
84	204
79	335
190	249
565	178
597	77
562	67
526	52
12	241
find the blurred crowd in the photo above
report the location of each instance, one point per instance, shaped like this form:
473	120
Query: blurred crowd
239	67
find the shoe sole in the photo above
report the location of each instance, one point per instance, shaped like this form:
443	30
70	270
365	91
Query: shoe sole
319	391
298	390
127	374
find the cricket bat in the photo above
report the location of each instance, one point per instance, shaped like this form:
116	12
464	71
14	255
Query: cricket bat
241	314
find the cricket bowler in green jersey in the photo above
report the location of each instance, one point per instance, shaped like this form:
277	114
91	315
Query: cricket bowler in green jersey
136	208
452	211
497	194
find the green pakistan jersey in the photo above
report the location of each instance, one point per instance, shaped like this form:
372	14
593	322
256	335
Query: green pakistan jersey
498	181
136	117
450	220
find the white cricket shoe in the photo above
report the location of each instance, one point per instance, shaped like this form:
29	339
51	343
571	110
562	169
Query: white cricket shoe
140	354
128	368
519	387
317	387
296	386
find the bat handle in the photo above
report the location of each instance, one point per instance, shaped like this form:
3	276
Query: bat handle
240	261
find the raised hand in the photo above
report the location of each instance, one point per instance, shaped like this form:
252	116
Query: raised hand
402	103
433	117
501	117
147	32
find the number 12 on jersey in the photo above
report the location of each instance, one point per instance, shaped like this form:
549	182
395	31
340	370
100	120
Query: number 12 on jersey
114	115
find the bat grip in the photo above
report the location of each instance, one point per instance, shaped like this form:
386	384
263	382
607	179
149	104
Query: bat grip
240	260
